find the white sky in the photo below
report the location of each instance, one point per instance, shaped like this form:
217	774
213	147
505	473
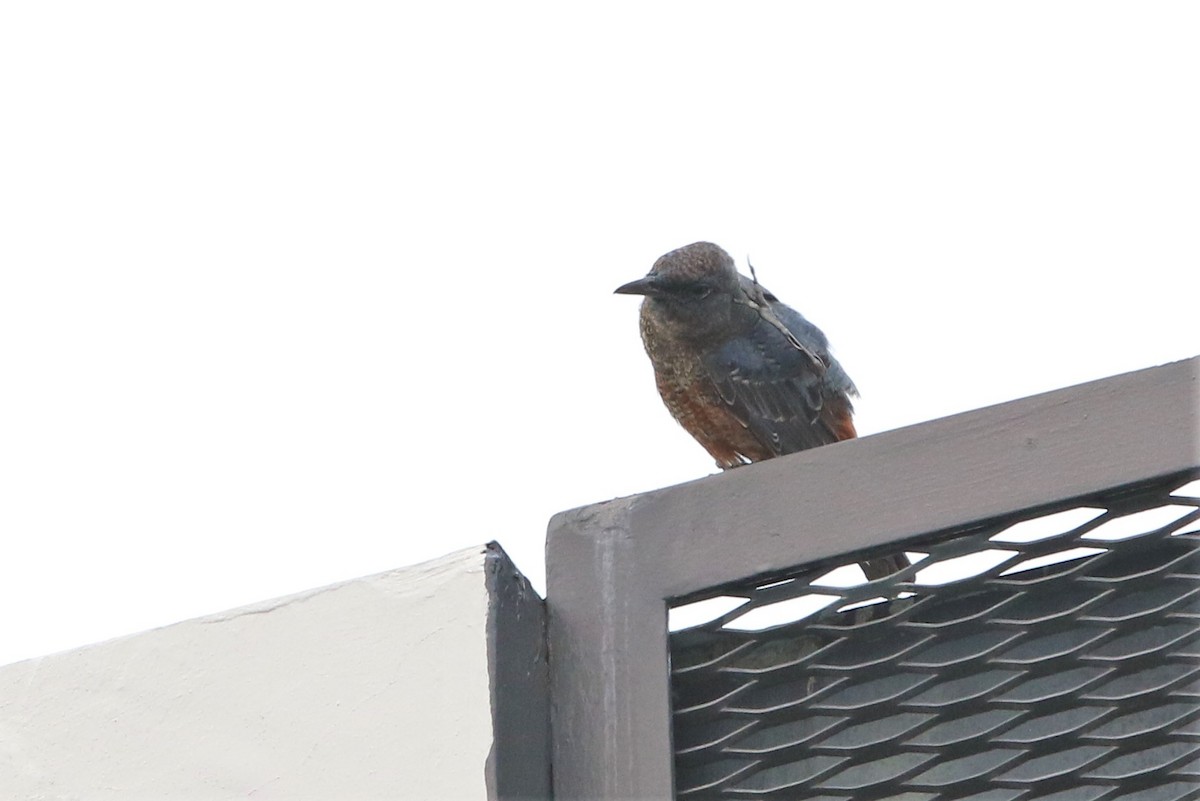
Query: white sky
295	292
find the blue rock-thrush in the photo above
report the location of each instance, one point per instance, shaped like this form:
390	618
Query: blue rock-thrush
746	375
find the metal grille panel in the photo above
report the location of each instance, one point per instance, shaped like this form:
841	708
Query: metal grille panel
1050	655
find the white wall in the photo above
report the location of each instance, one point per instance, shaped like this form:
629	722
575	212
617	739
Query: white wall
373	688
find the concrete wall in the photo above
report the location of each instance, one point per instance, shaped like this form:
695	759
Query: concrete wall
381	687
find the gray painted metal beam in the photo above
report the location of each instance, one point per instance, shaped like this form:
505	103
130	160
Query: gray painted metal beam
612	567
518	768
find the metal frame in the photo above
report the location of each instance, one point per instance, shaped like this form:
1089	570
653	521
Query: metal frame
613	567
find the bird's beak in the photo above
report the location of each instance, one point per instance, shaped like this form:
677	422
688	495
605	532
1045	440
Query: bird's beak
642	286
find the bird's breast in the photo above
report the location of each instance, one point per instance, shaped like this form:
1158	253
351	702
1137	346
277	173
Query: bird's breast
694	401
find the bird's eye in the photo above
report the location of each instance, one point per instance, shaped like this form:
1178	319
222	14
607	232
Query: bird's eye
698	291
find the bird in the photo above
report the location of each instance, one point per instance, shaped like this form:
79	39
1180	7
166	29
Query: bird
746	375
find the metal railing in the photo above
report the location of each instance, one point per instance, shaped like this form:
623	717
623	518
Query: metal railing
1043	642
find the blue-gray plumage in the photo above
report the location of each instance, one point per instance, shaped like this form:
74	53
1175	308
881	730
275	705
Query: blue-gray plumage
791	397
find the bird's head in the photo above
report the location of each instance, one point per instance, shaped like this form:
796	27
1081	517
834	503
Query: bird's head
691	289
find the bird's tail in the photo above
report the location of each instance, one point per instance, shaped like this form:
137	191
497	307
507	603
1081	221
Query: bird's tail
884	565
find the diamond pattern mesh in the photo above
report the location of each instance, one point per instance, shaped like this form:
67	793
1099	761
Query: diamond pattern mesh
1049	655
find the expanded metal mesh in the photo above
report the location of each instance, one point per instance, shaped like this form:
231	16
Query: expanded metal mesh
1048	655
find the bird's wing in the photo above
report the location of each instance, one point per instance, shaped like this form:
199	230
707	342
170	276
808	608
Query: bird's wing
788	401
